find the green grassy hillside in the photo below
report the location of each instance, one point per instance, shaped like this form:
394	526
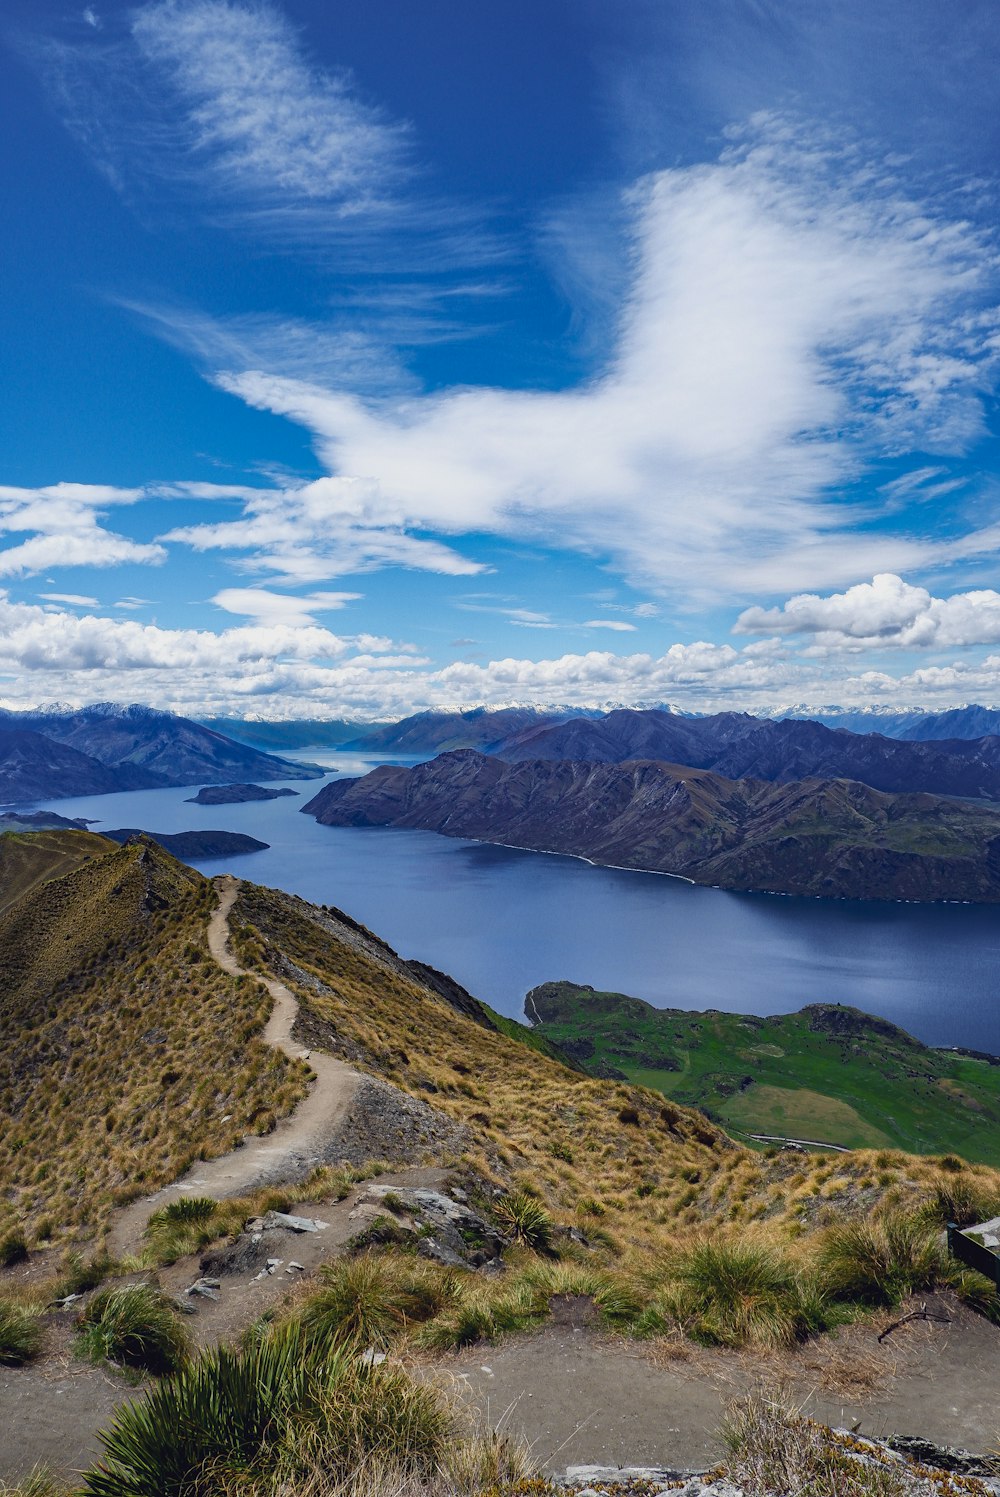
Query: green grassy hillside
828	1072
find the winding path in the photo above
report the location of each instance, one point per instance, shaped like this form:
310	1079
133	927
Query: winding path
298	1141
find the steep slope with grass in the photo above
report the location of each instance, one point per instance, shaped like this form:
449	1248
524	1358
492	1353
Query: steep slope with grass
128	1052
826	837
31	858
614	1158
828	1072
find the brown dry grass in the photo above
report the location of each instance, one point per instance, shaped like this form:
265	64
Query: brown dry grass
616	1160
130	1054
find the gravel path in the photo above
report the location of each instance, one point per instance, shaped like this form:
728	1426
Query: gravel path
296	1144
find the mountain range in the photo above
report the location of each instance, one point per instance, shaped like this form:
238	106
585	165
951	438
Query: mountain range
813	836
54	752
485	728
736	745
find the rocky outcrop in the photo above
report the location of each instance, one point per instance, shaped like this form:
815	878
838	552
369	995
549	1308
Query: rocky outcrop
820	837
386	1123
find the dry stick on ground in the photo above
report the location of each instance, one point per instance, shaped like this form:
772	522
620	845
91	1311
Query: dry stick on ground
922	1314
298	1141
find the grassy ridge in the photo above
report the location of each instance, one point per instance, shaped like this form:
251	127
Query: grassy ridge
129	1052
32	858
828	1072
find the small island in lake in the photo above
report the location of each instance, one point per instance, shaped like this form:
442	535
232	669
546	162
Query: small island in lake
203	844
230	795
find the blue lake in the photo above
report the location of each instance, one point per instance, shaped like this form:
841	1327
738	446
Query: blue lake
501	921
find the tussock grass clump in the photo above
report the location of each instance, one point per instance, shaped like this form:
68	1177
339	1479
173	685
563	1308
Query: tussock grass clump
366	1301
963	1199
266	1417
182	1226
79	1274
877	1260
742	1292
20	1332
13	1247
135	1326
773	1449
618	1299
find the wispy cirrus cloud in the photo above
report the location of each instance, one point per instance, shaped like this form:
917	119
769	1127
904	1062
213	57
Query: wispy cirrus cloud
216	107
61	521
793	318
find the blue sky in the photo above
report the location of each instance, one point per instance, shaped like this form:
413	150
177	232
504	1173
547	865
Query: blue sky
359	358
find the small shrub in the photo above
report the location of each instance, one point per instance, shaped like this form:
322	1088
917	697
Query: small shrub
525	1218
20	1332
135	1326
13	1248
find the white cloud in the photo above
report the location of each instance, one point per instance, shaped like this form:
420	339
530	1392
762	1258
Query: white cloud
617	624
791	315
283	669
334	352
217	105
61	521
884	612
319	530
256	112
74	600
279	608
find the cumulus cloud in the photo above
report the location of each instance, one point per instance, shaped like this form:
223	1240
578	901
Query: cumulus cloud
884	612
296	669
61	521
791	315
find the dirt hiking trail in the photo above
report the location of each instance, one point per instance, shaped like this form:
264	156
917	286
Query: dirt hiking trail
298	1141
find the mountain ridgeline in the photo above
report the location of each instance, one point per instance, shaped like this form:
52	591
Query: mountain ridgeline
56	752
813	836
737	745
